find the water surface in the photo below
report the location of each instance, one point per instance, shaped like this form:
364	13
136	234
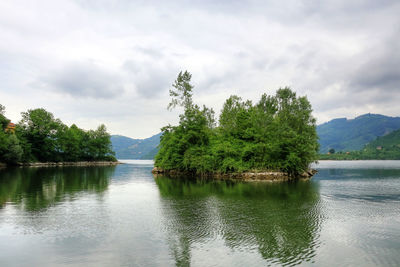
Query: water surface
348	214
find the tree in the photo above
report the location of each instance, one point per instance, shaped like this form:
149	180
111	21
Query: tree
228	118
43	138
3	137
72	143
297	131
14	152
182	91
332	151
3	120
10	149
99	144
41	130
277	133
186	146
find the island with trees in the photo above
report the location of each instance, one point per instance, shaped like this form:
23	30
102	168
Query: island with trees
40	139
273	139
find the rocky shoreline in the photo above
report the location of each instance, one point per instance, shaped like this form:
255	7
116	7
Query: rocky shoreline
62	164
268	176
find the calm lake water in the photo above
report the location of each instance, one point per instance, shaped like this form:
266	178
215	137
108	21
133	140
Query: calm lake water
348	214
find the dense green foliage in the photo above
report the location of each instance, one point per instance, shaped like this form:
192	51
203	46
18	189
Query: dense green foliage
129	148
383	147
349	135
41	137
276	133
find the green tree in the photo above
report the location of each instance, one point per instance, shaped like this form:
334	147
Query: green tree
41	129
277	133
72	143
186	146
14	152
10	149
181	92
3	137
99	144
228	118
45	138
298	138
3	120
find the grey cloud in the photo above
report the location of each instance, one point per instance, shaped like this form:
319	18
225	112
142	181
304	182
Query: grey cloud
381	69
85	79
152	52
150	79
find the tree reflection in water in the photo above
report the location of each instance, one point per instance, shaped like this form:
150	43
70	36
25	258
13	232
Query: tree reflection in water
35	189
280	220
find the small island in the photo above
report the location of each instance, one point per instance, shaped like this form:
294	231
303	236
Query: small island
274	139
41	140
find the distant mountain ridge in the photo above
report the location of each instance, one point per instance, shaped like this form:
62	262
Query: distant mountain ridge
340	134
353	134
385	147
129	148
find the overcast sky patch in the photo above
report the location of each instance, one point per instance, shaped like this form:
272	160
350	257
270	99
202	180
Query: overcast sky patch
112	62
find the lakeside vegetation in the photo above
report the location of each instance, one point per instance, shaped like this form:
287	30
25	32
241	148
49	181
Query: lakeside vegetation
276	133
39	137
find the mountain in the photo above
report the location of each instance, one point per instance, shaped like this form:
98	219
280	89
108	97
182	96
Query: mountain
348	135
387	142
341	134
383	148
129	148
152	153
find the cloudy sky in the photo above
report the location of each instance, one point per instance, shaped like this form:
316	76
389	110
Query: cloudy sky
112	62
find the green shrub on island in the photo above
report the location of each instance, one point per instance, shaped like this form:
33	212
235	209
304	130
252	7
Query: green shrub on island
277	133
39	137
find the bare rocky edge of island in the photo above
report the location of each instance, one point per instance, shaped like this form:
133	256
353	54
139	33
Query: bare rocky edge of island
62	164
263	176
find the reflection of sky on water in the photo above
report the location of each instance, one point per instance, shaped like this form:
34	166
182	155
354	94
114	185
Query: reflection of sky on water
360	203
357	164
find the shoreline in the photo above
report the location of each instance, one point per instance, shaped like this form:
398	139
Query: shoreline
266	176
62	164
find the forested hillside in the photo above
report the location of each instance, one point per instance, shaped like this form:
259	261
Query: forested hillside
129	148
388	141
384	147
349	135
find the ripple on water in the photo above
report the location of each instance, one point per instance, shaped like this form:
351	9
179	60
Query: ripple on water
123	216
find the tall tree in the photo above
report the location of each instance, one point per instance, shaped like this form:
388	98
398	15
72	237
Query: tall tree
40	128
181	92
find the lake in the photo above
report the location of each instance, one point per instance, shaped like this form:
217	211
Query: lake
348	214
